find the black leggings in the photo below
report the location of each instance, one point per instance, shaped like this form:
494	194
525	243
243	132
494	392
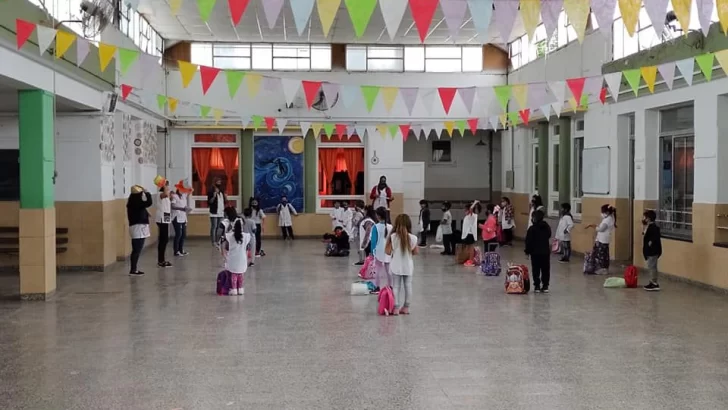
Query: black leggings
287	232
163	240
258	240
136	250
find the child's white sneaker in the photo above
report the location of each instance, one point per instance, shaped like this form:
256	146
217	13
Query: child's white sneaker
233	292
241	291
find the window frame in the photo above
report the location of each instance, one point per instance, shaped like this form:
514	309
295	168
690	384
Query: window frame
249	61
577	155
319	197
190	166
667	225
535	168
553	197
432	160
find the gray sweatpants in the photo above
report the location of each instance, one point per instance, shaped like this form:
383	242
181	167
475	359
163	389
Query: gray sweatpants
402	290
652	268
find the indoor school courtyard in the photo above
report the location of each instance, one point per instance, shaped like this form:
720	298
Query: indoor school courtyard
363	204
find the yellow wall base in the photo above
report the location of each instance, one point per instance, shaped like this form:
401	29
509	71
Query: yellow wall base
37	253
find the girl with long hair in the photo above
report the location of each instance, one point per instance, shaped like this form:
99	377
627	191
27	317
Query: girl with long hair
138	217
402	245
377	243
604	236
236	260
258	216
507	221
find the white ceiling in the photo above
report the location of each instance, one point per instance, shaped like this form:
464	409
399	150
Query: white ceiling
187	25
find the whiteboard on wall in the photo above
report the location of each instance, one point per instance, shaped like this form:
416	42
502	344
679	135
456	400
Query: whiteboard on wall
595	170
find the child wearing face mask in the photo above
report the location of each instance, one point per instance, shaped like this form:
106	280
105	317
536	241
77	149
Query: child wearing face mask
651	248
563	232
604	236
285	222
506	221
257	216
337	216
446	227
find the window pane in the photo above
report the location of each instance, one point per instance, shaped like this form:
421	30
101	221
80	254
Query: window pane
385	52
676	119
231	50
443	52
210	164
443	66
385	65
630	45
441	151
291	64
618	44
356	58
556	168
414	59
341	171
216	138
578	155
238	63
321	57
201	53
472	59
262	57
676	185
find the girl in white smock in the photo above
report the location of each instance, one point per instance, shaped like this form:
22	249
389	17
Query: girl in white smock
236	260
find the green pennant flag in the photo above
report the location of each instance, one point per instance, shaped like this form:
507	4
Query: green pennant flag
705	62
513	118
503	93
204	111
205	7
329	129
461	124
370	93
127	57
633	78
393	128
360	12
257	121
584	101
161	101
234	78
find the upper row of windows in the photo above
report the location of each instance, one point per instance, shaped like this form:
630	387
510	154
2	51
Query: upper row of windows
317	57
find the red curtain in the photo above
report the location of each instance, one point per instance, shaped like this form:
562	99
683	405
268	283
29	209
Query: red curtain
327	165
201	162
354	164
229	161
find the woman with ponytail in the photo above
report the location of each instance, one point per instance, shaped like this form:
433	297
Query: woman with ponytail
604	236
237	255
401	245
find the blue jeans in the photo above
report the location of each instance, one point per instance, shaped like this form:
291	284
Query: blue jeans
214	223
180	233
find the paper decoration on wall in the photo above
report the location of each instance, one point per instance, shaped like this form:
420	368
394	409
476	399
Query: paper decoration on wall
454	12
360	12
576	86
127	57
23	30
172	102
305	127
205	8
686	67
481	12
187	71
64	40
270	122
237	9
382	130
257	120
161	101
682	12
722	57
461	125
705	62
393	129
473	125
633	79
327	10
234	79
341	130
578	13
630	10
705	11
447	94
389	96
650	75
370	93
604	13
449	126
125	91
208	76
217	114
282	123
614	81
272	9
311	91
45	38
404	129
302	10
393	13
505	15
82	49
550	11
106	53
546	111
422	12
656	10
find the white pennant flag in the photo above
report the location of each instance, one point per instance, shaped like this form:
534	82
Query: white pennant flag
290	89
360	130
45	38
705	10
687	68
546	110
468	96
350	131
331	93
244	120
305	127
351	94
494	122
427	98
82	49
486	96
656	10
558	89
281	125
667	71
272	9
302	10
371	131
417	130
557	107
614	81
393	13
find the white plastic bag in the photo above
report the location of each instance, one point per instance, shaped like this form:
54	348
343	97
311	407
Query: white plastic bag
438	235
359	289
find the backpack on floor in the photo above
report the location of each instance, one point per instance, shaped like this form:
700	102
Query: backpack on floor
589	263
223	283
518	281
386	301
477	255
491	265
367	270
555	246
631	276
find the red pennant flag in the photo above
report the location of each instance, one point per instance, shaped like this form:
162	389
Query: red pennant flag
525	115
311	89
340	131
23	30
422	13
473	124
603	95
125	91
237	8
208	76
576	85
270	122
405	129
447	95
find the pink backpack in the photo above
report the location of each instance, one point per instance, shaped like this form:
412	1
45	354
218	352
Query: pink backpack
367	270
386	301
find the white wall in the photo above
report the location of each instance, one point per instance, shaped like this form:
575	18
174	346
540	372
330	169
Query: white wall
81	176
9	133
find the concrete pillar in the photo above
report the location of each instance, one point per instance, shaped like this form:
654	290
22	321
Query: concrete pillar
37	212
310	172
542	131
247	167
564	160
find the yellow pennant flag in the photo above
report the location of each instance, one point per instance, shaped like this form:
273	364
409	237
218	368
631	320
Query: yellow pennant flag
316	127
174	6
389	95
217	113
649	74
254	81
382	129
106	53
682	12
64	41
573	104
449	126
630	10
520	94
503	119
578	13
722	57
172	104
531	15
327	10
187	71
722	7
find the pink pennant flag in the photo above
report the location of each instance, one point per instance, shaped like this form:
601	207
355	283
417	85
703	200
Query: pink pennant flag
468	96
593	85
208	76
576	85
550	11
311	89
525	115
409	96
454	11
504	17
125	91
270	122
447	94
404	129
473	124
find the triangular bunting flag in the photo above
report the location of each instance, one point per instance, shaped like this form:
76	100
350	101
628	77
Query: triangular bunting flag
317	127
253	81
341	131
382	129
106	53
446	96
687	69
311	91
257	121
578	13
530	13
208	76
237	9
204	111
64	40
161	101
649	73
667	71
290	89
244	120
656	11
573	104
125	91
705	62
370	93
360	12
604	12
404	129
174	6
722	7
82	49
494	122
23	30
45	38
481	11
722	57
422	13
270	122
633	79
127	57
557	107
558	89
427	98
454	12
327	10
546	111
187	71
272	9
603	95
504	16
393	13
389	96
525	115
234	79
630	10
302	10
682	12
305	127
550	11
520	94
593	86
503	93
351	95
172	104
217	114
393	129
331	92
576	85
409	96
513	118
538	94
473	125
329	129
205	8
614	81
449	126
705	11
417	131
467	95
461	125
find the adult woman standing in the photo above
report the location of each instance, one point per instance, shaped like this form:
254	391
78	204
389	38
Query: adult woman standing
216	200
604	236
163	218
381	196
138	217
257	215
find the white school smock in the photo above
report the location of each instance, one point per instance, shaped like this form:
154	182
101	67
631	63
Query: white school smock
337	218
604	230
347	221
470	226
284	214
402	263
381	200
164	211
563	231
237	256
180	201
258	216
220	206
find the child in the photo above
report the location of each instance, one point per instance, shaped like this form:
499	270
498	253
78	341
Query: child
338	243
563	232
285	222
604	236
258	216
651	248
539	249
378	241
401	244
348	219
470	231
446	226
249	227
507	221
488	230
365	231
337	216
180	209
237	256
163	218
424	222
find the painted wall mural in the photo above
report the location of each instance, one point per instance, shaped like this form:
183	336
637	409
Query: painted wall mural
278	171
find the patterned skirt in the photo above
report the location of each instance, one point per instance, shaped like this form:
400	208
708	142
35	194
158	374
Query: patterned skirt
601	255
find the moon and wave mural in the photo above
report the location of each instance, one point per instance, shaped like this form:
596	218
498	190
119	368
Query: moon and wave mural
278	171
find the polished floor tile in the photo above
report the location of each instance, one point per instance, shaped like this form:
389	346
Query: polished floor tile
297	340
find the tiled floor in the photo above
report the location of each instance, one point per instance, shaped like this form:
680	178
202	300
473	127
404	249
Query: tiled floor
297	340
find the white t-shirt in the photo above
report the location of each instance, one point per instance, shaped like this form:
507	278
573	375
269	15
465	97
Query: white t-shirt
164	211
337	218
402	263
381	200
257	216
604	230
237	257
470	226
220	206
179	201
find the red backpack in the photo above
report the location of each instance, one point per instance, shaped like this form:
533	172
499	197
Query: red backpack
386	301
631	276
